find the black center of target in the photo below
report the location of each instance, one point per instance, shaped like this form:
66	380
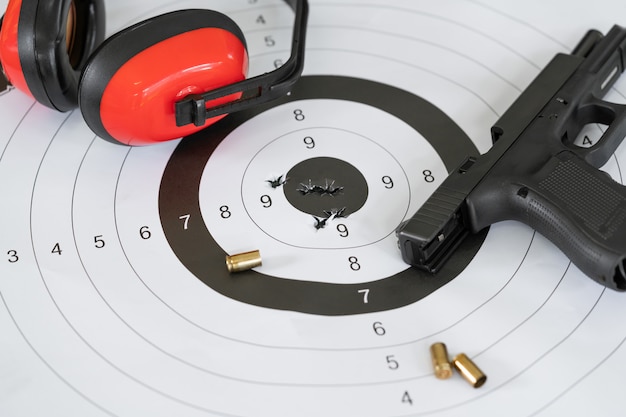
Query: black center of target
326	186
199	252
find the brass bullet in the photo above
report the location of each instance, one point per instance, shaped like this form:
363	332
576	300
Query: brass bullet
243	261
441	363
469	370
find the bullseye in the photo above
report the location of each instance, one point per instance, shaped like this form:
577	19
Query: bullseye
326	186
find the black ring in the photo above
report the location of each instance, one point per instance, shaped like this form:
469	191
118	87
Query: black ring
199	252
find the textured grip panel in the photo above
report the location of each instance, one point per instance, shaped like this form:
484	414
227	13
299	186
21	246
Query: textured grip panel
600	207
582	211
562	234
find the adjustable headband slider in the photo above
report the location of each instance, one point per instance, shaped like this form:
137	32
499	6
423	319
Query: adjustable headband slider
193	108
198	110
251	91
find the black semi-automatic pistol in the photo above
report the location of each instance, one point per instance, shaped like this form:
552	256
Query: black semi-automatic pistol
538	173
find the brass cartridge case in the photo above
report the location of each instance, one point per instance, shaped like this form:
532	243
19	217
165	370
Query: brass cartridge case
469	370
243	261
441	362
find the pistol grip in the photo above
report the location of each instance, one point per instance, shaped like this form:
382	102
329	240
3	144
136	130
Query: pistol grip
581	210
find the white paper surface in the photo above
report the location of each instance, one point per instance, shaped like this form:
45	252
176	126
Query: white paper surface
99	316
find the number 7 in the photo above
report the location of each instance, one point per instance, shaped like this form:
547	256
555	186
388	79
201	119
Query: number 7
186	218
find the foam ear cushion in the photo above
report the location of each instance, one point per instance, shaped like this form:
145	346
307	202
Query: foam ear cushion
50	70
129	86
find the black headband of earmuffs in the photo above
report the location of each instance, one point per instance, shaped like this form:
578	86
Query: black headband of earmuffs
256	90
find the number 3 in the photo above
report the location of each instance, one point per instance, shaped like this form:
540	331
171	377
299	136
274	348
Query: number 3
13	258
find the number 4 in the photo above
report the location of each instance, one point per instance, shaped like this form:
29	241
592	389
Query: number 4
57	249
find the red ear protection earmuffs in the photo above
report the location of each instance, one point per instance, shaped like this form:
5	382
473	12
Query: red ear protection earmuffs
160	79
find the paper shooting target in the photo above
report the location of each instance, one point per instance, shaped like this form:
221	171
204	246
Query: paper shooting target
115	299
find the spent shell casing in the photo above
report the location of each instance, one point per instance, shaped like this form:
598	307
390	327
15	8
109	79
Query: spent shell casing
468	369
243	261
441	362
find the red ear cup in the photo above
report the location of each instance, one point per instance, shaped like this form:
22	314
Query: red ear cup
45	44
129	87
9	55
